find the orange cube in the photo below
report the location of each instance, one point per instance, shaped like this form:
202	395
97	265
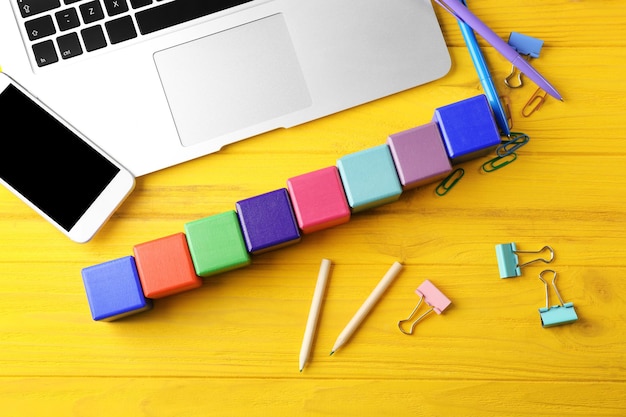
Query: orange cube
165	266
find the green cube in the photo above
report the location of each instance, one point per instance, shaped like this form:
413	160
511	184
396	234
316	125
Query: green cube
216	244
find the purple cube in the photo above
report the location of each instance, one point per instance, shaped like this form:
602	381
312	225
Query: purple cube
419	155
267	221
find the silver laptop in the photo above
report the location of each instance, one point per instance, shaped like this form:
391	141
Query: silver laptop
157	83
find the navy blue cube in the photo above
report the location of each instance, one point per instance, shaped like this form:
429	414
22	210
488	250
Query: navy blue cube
114	290
468	128
268	221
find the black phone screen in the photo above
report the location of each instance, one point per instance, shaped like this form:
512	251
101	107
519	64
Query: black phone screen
46	162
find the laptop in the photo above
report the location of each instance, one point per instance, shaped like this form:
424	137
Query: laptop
158	83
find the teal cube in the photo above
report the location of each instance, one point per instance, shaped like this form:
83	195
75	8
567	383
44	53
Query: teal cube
216	244
369	178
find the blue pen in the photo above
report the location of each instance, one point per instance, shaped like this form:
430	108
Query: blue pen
484	76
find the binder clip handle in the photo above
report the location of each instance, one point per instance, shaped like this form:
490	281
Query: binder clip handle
563	313
547	261
508	261
430	294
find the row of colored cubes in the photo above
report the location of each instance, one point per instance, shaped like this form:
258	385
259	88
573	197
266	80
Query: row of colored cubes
311	202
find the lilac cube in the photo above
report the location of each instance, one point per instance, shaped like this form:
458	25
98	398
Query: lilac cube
267	221
419	155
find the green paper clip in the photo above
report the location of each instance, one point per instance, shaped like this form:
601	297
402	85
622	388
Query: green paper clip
499	162
449	182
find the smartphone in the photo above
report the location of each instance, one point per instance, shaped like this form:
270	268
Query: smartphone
55	169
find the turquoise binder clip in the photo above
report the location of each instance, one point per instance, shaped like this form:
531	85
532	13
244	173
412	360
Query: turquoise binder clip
508	261
557	315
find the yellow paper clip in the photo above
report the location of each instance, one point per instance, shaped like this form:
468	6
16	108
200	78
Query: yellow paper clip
449	182
535	103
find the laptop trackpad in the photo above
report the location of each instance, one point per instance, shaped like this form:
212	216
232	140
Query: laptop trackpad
232	80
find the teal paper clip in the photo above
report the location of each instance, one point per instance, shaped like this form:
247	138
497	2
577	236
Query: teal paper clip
508	147
508	261
564	313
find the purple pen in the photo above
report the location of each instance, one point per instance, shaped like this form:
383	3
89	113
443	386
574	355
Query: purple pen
458	10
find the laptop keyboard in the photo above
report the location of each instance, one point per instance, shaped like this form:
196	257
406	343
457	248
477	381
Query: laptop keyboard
59	30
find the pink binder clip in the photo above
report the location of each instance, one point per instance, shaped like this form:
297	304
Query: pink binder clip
433	297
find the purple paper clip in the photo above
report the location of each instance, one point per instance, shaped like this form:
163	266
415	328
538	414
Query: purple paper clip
433	297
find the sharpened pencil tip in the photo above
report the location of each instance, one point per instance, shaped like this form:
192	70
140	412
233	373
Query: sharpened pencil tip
331	353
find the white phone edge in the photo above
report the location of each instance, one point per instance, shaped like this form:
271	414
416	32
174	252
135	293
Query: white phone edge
109	200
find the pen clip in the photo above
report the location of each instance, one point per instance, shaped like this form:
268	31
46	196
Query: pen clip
449	10
506	105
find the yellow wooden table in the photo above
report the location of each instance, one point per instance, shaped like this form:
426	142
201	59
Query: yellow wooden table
231	347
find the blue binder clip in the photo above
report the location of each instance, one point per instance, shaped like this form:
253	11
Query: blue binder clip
557	315
525	45
508	261
528	47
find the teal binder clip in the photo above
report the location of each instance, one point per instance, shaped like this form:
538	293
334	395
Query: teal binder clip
557	315
508	261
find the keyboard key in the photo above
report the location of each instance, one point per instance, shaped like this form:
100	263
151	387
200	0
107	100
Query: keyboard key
121	29
91	12
93	38
115	7
40	27
140	3
70	1
67	19
45	54
30	8
69	45
169	14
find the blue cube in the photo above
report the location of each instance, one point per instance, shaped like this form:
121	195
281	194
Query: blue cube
369	178
468	128
268	221
114	290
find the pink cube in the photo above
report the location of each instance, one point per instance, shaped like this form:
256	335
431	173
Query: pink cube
318	200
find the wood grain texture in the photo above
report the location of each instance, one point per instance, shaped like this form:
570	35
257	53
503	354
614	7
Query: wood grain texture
230	348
